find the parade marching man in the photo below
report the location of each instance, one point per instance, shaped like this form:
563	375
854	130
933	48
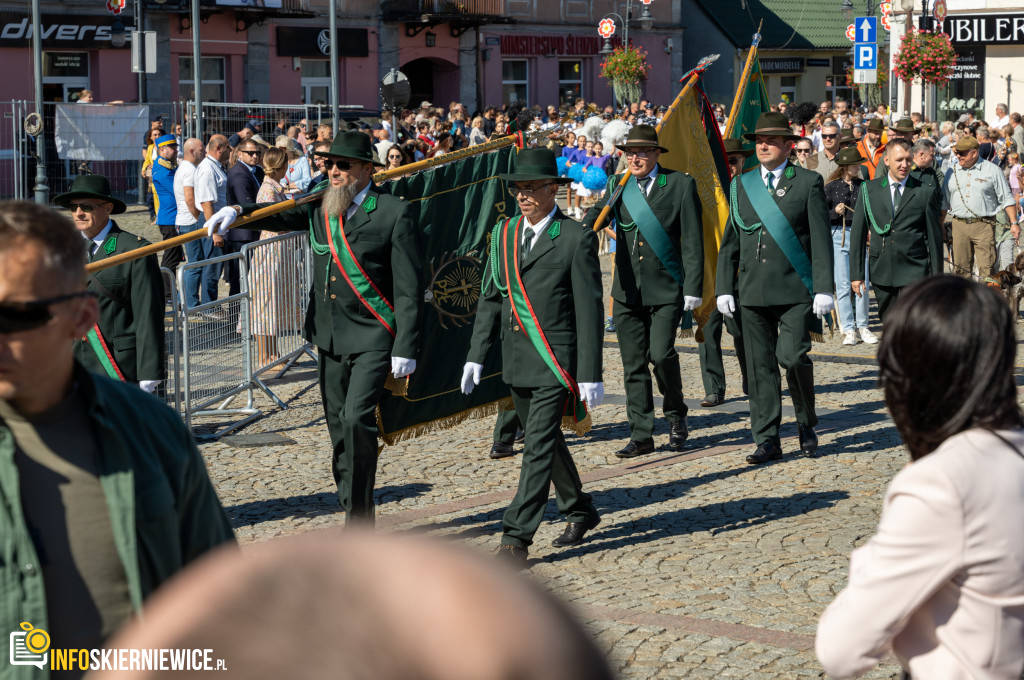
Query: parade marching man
364	316
659	273
542	295
712	368
127	342
776	257
903	219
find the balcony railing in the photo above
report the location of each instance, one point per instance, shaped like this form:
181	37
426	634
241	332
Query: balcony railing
442	10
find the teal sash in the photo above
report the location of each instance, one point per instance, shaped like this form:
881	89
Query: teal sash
652	230
778	226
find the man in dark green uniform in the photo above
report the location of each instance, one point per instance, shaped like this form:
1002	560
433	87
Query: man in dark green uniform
541	295
364	306
712	368
776	257
127	343
901	215
508	431
659	273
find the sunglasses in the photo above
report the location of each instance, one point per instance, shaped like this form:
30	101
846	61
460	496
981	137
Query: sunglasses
87	208
516	189
961	153
330	163
26	316
252	152
829	136
802	150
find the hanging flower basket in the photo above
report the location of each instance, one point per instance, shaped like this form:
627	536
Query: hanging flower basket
627	69
925	56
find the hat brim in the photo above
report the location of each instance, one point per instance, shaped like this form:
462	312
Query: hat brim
636	144
860	161
360	159
531	177
770	132
63	200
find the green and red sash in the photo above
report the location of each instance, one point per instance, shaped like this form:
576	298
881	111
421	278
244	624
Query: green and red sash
99	345
576	417
365	290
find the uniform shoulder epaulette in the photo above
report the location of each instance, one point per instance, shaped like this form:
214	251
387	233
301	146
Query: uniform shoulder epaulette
166	163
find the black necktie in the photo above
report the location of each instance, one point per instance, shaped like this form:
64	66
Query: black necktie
644	183
528	235
896	199
771	182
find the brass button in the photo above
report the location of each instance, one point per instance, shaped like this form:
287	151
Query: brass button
641	243
641	257
515	328
334	278
333	296
764	260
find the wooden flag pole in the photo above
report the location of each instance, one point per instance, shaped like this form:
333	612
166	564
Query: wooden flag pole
694	74
730	124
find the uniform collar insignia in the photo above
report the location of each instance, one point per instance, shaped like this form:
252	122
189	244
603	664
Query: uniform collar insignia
110	245
662	180
789	172
555	229
370	204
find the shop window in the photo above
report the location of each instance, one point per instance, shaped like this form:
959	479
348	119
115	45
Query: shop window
787	88
212	75
570	82
514	81
575	9
64	75
316	81
964	92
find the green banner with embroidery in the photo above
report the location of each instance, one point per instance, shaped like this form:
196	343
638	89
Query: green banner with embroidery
576	415
365	289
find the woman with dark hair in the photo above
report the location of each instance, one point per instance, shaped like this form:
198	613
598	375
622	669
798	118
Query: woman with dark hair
941	583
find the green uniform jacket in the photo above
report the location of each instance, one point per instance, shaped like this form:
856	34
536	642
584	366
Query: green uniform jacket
562	278
640	277
752	267
386	242
164	511
913	249
929	177
132	315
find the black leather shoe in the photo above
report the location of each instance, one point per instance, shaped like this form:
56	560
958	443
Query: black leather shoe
520	436
713	399
512	555
808	439
634	449
575	531
502	450
765	452
677	434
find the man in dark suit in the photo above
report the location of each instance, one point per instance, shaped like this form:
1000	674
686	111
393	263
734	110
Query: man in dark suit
901	213
244	180
127	342
776	257
364	316
544	301
659	273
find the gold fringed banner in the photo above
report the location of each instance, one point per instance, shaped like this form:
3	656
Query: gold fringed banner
493	408
397	386
580	428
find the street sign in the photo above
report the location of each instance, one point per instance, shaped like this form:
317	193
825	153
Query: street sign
867	29
865	77
865	57
143	51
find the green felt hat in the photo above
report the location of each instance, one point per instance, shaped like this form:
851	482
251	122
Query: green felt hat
772	124
534	164
355	145
875	125
735	145
91	186
904	125
850	156
641	136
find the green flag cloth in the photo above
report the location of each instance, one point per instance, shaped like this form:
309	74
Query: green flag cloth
753	103
458	205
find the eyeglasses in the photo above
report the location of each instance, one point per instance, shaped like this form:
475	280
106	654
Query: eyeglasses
829	136
516	189
802	150
330	163
252	152
16	317
87	208
394	158
640	153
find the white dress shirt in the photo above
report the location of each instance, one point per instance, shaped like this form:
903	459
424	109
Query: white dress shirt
892	188
101	237
777	172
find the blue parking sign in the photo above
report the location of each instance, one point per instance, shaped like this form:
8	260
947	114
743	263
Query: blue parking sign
865	56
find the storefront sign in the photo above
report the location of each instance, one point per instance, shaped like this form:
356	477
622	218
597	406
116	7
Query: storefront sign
310	41
66	31
840	65
985	29
782	65
551	45
66	64
822	62
970	64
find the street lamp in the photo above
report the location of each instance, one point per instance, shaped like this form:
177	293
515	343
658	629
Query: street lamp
117	34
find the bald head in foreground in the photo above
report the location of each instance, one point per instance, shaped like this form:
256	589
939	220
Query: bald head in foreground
354	606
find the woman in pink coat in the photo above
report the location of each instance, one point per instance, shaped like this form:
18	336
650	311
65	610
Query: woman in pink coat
941	583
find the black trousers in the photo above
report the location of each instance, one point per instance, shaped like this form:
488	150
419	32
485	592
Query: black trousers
885	296
505	427
712	368
172	257
350	387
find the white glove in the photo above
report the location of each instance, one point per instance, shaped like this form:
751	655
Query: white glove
471	374
402	367
592	393
221	221
691	303
726	305
149	385
823	304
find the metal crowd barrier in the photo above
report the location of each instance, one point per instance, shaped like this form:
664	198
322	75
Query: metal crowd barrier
172	337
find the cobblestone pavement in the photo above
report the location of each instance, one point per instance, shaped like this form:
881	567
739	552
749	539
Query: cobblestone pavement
702	566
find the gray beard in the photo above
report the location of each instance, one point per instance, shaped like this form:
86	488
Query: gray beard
338	199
